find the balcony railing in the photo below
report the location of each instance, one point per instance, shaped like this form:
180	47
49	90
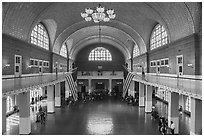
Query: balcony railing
16	83
191	85
100	74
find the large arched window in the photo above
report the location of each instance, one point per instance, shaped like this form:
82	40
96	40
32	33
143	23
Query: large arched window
39	36
63	51
159	37
100	54
136	51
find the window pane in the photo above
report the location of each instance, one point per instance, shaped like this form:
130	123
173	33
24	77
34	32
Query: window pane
39	37
179	60
166	62
162	62
100	54
180	69
158	63
36	62
136	51
31	62
63	50
17	68
159	37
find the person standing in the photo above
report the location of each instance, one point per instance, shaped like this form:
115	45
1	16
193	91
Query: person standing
172	127
160	124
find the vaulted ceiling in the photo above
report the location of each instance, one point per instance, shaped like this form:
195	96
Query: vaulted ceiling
134	21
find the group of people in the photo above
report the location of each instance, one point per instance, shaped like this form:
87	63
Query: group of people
131	100
36	99
163	126
155	114
41	115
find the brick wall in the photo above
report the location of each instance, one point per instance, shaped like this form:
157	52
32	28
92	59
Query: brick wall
198	54
12	46
61	60
139	62
84	65
189	47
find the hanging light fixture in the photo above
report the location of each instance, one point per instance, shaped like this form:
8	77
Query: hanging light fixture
97	15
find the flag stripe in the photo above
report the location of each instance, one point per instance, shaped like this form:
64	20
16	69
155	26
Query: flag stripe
69	85
127	82
124	85
72	86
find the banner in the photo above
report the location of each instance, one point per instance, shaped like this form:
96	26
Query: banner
72	86
127	82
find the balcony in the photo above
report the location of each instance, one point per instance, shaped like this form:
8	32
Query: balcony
14	85
100	75
191	85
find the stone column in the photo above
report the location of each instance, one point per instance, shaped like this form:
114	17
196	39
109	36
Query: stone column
3	115
13	99
196	117
50	99
89	85
17	100
132	88
110	85
148	103
173	112
57	95
181	101
43	92
141	95
24	113
66	89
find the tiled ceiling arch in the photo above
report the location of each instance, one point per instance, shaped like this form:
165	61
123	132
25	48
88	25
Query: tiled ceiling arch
107	31
137	19
94	39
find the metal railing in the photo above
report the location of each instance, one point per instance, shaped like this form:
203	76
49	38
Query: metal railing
17	83
187	84
98	74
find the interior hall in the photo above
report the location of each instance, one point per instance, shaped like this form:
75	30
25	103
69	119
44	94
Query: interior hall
101	68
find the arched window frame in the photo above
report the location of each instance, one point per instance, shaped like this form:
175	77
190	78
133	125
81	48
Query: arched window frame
163	37
136	51
39	36
100	54
63	50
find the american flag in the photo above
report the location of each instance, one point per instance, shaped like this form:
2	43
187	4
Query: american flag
127	82
72	86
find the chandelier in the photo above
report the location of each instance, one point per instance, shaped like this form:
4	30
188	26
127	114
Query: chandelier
97	15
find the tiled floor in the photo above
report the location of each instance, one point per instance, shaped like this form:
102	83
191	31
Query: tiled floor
97	117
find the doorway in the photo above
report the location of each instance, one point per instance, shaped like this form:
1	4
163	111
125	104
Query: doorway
158	67
179	64
100	85
40	67
18	66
